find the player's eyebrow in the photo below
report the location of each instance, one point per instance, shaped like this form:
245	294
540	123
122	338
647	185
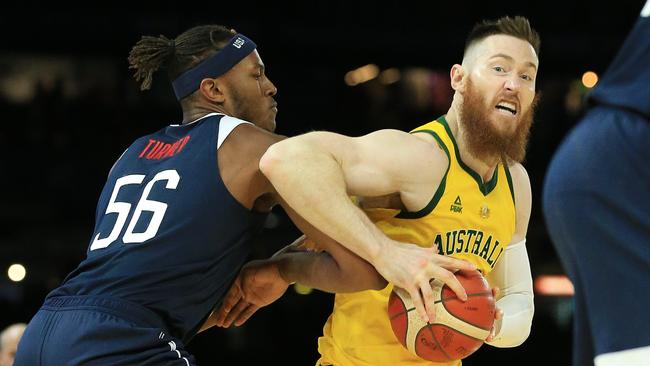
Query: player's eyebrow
510	58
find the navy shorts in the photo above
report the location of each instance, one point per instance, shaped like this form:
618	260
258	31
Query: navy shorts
83	330
597	207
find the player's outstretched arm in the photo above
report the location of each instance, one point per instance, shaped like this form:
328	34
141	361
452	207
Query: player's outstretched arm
328	266
512	274
315	173
262	282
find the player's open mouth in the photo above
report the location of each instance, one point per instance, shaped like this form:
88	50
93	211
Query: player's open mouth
508	107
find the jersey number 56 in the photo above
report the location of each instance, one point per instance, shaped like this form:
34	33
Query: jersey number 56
122	210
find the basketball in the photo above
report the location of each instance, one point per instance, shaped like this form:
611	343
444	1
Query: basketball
459	328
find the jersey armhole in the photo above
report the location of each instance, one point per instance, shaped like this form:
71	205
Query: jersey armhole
506	169
441	187
226	125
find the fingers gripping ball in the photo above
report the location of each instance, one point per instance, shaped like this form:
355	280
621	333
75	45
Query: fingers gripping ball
459	328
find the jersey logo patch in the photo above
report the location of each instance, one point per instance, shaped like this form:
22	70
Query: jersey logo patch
457	206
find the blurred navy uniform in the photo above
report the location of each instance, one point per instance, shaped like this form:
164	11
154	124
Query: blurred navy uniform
168	241
597	207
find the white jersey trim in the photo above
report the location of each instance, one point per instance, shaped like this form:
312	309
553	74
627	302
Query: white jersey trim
198	119
629	357
226	125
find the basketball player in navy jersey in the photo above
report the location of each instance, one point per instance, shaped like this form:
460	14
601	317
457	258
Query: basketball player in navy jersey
175	219
597	207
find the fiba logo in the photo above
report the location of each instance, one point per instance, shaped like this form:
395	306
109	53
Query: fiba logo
238	42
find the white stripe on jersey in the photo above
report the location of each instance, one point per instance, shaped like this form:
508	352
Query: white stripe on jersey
226	125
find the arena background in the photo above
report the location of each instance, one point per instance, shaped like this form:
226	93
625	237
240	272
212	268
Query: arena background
69	107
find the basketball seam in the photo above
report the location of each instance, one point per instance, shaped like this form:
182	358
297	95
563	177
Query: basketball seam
459	331
433	335
442	300
468	295
406	330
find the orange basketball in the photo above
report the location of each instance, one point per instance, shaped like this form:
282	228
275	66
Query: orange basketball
459	328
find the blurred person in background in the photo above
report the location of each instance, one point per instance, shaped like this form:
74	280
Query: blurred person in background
597	207
9	339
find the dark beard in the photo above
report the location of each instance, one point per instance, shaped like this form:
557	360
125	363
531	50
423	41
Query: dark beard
485	140
239	106
246	110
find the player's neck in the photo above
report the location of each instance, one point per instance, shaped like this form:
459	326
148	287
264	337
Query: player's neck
194	112
484	165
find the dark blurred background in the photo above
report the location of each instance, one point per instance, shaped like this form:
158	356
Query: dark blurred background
69	107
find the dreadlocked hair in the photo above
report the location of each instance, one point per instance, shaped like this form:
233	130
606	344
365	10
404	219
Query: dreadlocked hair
176	55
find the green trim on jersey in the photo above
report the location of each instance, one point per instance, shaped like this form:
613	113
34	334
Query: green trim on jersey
441	187
485	188
509	177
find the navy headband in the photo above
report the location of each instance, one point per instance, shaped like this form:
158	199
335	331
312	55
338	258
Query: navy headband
218	64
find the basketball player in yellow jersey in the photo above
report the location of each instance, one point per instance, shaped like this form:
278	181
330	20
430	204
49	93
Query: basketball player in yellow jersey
455	184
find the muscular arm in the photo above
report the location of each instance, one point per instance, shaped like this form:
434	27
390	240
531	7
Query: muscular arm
336	270
321	271
512	273
316	172
333	269
337	166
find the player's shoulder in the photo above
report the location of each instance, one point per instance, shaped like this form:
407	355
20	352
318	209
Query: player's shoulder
432	132
414	147
248	134
518	173
521	186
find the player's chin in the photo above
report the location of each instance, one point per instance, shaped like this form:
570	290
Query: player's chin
271	123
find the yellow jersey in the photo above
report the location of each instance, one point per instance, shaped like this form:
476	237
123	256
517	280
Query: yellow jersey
466	219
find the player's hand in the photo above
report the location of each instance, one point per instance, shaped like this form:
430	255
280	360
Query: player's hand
498	315
412	267
258	284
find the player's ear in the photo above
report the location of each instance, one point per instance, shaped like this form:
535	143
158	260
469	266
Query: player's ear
213	90
457	76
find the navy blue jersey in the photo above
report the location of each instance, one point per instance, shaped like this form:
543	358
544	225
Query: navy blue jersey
168	234
626	83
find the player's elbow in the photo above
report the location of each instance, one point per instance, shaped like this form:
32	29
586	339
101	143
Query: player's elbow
282	157
515	339
272	160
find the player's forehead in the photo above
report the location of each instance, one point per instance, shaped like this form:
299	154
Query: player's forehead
251	62
506	47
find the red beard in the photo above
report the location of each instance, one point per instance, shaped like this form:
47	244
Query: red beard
483	138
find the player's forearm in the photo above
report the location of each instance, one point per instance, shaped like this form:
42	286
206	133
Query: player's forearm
513	277
311	181
518	310
319	270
